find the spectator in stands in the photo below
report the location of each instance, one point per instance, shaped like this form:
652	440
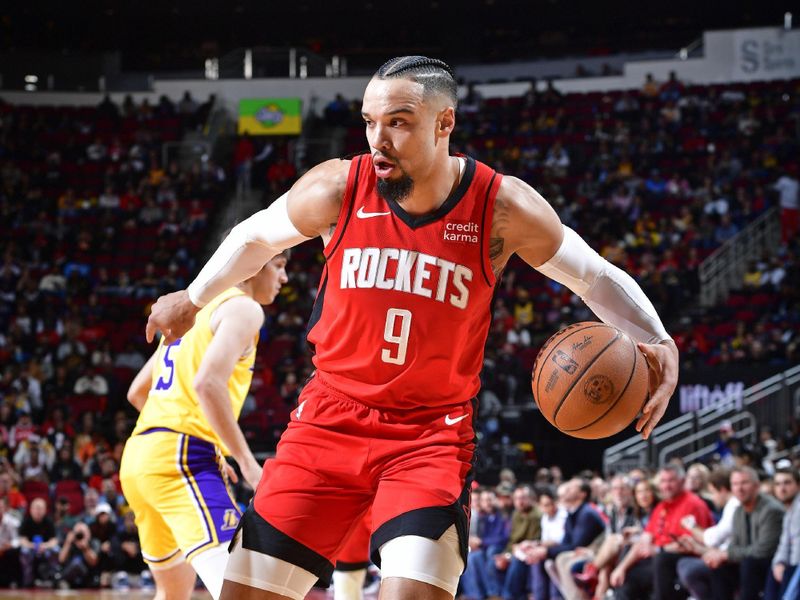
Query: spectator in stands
697	482
96	151
129	358
63	520
165	107
337	112
109	199
786	485
693	573
15	500
757	522
91	383
645	499
91	500
787	556
151	213
726	229
187	105
722	448
583	527
32	460
557	160
9	546
110	493
280	174
650	88
38	544
554	518
243	160
788	189
104	530
148	284
492	539
78	558
107	108
672	89
650	565
126	551
621	518
525	525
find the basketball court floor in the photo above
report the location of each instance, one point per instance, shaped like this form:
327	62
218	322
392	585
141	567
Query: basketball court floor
124	595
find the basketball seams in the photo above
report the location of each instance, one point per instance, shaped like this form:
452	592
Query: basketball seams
582	373
619	397
577	329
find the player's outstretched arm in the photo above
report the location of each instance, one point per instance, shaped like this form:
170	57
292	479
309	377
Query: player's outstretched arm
306	211
141	384
235	324
525	223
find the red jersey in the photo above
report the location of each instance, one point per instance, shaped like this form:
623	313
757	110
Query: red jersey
665	520
404	302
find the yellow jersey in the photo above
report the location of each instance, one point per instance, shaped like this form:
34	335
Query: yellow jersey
172	402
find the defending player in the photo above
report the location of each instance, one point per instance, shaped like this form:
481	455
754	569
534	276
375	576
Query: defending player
190	394
415	241
352	563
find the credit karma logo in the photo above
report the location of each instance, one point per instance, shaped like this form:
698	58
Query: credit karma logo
269	115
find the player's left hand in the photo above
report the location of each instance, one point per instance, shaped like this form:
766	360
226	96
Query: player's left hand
662	369
231	473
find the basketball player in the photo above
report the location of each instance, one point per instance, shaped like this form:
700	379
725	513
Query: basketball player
173	473
415	241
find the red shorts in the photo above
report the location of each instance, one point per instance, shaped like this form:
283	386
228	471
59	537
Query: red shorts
338	458
354	555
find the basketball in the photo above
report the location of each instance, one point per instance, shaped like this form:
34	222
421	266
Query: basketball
590	380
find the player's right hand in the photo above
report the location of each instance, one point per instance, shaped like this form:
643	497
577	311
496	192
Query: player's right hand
173	315
251	474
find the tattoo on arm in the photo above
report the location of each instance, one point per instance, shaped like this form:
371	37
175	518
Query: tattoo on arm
500	223
495	248
495	254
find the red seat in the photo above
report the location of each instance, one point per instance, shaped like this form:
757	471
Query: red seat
67	485
35	489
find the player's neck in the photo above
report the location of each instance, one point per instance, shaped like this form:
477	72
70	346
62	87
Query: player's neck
246	286
431	192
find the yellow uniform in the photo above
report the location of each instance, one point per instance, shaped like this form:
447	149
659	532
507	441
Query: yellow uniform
171	470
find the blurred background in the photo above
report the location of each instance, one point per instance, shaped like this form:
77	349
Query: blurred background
132	136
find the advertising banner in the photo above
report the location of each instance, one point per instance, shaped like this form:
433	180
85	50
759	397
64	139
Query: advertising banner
270	116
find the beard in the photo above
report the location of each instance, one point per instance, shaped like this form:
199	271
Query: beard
396	189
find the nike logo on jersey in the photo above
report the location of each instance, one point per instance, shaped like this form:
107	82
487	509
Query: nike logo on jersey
365	215
406	271
299	410
449	421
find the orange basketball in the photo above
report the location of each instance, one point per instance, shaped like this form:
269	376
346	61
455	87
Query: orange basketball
590	380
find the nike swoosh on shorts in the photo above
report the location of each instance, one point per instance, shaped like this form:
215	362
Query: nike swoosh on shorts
449	421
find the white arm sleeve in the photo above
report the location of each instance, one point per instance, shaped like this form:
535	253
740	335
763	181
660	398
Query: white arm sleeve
245	251
611	293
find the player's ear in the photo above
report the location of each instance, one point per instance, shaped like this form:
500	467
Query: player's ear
445	121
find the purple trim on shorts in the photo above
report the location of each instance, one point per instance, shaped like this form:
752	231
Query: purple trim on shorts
201	465
161	560
187	475
156	429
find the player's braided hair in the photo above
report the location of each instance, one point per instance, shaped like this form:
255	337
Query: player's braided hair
433	74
